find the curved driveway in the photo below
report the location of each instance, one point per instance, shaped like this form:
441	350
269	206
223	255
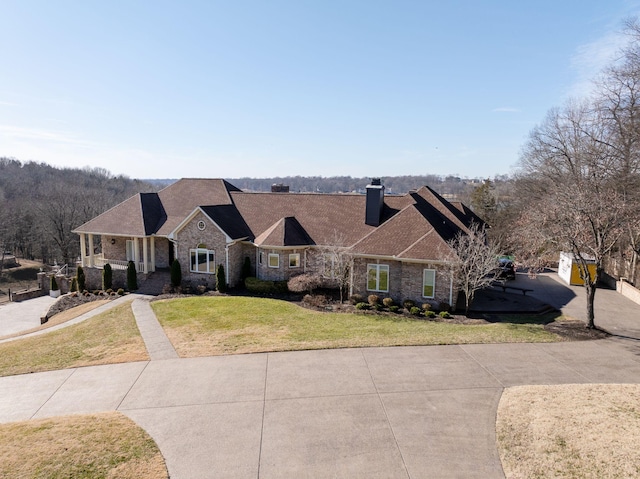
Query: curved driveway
406	412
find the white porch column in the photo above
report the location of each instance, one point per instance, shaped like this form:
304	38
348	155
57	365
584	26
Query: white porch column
145	256
136	252
83	250
91	257
153	253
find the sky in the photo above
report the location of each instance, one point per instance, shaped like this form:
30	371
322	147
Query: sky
264	88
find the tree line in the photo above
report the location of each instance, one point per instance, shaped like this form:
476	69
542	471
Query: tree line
40	205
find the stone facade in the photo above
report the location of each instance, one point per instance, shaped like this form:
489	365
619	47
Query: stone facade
162	246
284	271
117	250
211	238
237	253
405	281
93	278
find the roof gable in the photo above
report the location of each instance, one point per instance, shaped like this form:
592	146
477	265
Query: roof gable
124	219
285	232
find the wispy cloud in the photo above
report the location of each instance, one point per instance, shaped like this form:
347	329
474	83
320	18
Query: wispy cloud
7	103
43	135
591	58
506	109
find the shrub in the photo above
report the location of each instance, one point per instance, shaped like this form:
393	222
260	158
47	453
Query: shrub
388	302
376	307
74	285
221	279
363	306
394	308
258	286
415	311
356	298
81	279
53	284
132	276
107	277
315	300
445	314
109	291
430	314
426	306
120	291
304	282
201	289
176	273
246	268
373	299
444	306
408	304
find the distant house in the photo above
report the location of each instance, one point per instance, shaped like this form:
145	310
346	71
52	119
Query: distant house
397	245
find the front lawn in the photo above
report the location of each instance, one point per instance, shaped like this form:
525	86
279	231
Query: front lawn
106	445
111	337
207	326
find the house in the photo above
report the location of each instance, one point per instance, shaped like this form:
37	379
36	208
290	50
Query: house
397	245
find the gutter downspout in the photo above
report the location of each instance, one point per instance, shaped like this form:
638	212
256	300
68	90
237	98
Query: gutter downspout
451	291
226	267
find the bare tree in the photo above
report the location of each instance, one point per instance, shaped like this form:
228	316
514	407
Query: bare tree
571	180
333	261
475	261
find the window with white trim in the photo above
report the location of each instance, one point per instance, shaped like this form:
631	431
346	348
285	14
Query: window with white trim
274	260
202	260
429	283
294	260
378	277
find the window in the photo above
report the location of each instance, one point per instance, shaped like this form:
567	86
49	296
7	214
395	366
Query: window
294	260
329	266
274	260
378	277
130	251
202	261
260	258
429	283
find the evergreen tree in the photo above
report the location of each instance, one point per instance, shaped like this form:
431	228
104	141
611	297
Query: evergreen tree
221	280
132	277
176	274
107	277
80	279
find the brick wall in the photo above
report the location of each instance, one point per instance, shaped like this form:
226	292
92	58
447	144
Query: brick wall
405	281
189	238
117	251
283	271
162	246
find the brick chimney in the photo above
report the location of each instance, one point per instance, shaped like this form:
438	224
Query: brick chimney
375	202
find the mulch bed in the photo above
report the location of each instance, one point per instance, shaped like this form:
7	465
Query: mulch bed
575	331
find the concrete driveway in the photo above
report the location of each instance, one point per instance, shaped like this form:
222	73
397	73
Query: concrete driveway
22	316
418	412
406	412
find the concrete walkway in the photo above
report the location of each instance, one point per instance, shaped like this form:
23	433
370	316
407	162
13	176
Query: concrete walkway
409	412
156	341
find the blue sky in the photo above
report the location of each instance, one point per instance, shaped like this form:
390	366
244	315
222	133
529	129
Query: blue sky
159	89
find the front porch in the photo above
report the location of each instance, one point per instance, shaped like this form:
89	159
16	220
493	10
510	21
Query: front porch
118	251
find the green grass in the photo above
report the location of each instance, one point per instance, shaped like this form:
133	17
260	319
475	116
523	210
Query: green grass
227	325
111	337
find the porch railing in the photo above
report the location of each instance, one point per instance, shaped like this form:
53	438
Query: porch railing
99	261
